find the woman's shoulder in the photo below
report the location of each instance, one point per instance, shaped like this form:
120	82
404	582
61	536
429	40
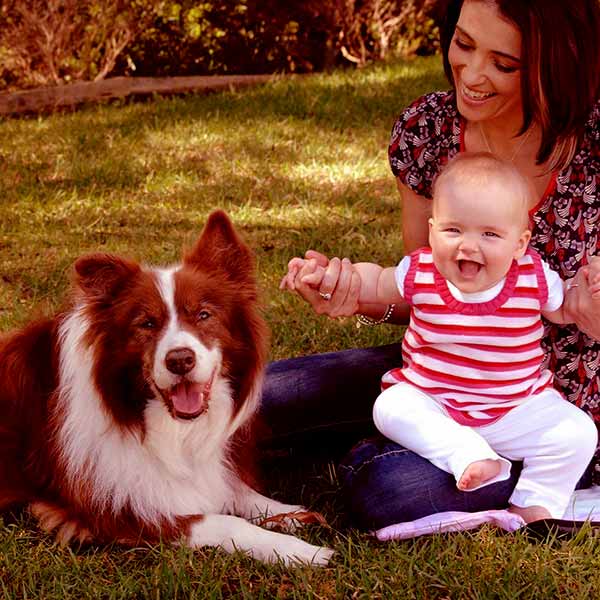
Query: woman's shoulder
424	137
434	114
434	105
588	151
584	167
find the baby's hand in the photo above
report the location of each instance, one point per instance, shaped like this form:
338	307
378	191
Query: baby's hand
289	279
593	277
315	278
312	278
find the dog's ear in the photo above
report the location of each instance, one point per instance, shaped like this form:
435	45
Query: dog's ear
221	248
101	275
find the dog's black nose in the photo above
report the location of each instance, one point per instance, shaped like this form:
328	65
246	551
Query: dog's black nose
180	360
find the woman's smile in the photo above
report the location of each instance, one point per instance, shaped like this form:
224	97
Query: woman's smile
485	57
474	95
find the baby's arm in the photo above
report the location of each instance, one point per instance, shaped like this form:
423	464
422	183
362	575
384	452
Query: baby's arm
558	316
555	309
377	284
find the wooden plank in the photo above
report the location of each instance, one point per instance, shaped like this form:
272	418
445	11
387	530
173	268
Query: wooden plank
70	95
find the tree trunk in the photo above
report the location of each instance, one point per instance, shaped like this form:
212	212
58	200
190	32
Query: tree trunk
70	95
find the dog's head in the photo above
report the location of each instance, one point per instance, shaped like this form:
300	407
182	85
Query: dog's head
174	332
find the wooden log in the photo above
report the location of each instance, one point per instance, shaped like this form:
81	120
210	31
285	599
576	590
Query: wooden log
70	95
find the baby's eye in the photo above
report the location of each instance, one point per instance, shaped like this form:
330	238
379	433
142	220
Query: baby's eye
451	229
490	234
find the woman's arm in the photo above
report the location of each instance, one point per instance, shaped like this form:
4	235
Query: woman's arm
416	211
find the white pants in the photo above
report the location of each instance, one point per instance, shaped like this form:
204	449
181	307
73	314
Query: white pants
554	439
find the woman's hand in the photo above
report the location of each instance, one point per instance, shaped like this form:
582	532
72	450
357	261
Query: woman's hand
582	305
340	283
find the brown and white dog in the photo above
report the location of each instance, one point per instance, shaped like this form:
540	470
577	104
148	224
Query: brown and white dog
126	416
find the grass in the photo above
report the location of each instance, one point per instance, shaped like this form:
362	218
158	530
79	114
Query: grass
298	163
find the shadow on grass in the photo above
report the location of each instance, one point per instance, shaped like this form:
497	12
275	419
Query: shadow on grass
105	149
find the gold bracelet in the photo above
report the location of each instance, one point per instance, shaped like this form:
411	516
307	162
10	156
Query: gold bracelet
362	320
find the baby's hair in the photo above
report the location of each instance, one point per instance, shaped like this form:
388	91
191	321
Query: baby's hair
482	169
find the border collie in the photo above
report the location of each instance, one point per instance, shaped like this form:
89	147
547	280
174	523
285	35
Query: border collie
127	416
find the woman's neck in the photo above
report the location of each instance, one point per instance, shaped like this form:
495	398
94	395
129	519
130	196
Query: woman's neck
503	140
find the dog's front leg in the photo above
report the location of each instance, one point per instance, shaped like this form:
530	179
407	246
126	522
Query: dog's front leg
234	533
255	507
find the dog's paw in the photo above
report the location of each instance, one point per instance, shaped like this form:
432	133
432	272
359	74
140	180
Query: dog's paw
321	557
293	520
52	518
292	551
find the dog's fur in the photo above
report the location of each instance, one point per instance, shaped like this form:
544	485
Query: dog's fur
125	417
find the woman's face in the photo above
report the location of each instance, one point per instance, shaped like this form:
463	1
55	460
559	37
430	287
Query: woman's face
485	57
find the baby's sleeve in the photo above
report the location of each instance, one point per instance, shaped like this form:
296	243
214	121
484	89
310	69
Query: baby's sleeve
401	272
556	289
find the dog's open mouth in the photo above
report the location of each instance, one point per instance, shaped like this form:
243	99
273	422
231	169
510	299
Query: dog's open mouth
189	399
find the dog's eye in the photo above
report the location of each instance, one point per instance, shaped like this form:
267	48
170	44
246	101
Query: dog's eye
148	323
203	315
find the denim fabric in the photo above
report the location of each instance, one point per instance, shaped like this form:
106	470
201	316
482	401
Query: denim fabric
384	483
309	401
324	394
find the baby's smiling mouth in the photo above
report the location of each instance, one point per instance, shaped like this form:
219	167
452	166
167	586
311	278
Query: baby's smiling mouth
468	268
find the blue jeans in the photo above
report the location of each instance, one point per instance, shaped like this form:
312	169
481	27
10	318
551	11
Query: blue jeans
314	397
310	400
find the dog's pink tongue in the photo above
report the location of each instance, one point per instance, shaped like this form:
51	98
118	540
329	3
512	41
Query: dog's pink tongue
188	398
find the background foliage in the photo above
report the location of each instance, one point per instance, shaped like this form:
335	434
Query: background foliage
49	42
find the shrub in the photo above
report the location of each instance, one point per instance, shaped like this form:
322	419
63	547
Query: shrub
232	36
369	30
44	42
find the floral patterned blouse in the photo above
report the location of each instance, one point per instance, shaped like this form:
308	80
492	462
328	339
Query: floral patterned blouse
566	224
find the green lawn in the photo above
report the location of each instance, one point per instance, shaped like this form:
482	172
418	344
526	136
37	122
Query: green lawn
298	163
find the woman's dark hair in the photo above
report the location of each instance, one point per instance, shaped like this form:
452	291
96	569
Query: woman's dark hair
560	77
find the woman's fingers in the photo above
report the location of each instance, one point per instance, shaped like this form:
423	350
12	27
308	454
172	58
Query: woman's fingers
344	301
330	286
581	305
592	273
304	287
330	280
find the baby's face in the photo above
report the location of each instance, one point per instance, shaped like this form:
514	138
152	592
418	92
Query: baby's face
475	233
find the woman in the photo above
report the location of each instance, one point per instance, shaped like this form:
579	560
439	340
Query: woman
526	82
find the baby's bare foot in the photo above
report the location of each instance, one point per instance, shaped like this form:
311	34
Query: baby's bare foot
530	513
477	473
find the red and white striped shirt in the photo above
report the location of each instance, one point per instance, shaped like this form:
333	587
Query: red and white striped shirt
477	354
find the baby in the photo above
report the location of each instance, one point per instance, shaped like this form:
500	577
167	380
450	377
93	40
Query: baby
472	392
